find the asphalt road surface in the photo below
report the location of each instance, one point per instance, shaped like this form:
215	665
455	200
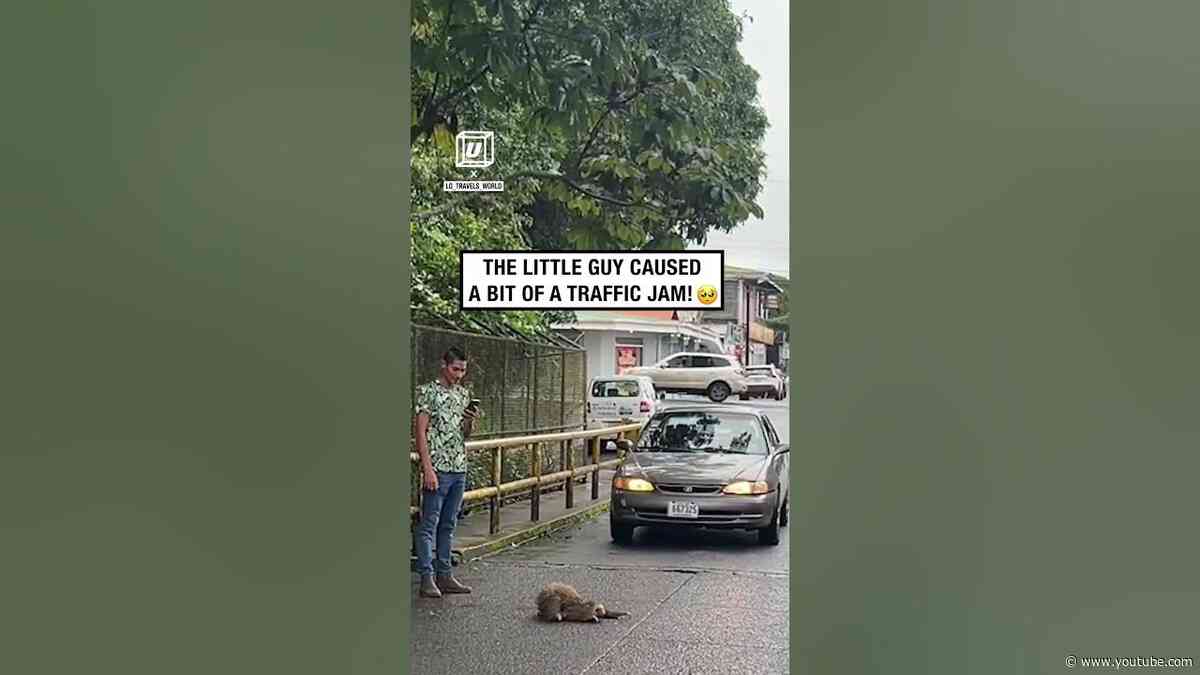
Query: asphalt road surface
699	602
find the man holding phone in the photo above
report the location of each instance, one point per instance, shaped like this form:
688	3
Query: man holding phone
445	419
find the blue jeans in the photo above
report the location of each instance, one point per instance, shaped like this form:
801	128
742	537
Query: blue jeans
439	515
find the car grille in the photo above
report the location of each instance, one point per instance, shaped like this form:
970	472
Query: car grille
679	488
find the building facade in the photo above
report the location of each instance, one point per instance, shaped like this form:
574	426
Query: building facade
619	339
616	340
750	298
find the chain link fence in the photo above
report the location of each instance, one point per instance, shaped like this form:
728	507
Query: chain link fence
524	387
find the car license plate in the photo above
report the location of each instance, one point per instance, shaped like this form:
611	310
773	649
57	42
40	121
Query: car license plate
683	510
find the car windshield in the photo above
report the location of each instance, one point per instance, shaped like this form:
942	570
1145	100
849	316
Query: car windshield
615	388
721	432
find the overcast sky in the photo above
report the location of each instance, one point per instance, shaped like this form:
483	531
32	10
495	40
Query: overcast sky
763	244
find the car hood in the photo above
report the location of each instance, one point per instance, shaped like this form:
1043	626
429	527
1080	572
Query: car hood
696	467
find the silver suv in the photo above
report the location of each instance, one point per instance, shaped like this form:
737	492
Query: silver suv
716	376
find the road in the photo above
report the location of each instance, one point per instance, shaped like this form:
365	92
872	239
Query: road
699	602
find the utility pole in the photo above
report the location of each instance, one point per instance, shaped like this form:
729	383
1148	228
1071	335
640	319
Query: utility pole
746	344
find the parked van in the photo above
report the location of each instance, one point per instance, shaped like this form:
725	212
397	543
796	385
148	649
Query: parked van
620	399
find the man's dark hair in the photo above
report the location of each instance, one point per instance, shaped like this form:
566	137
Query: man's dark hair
453	354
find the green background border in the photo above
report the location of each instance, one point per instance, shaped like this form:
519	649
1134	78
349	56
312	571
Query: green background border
405	356
995	245
204	325
205	339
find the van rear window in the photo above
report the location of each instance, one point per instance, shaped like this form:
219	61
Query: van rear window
620	388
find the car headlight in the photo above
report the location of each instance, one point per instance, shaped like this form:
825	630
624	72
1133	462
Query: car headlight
745	487
632	484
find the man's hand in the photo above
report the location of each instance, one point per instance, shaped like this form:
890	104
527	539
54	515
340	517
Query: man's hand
469	417
429	479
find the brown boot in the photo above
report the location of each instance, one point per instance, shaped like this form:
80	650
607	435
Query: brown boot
429	589
449	584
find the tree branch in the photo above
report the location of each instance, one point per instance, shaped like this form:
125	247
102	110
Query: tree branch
451	96
537	9
462	90
603	198
642	87
591	138
449	15
425	109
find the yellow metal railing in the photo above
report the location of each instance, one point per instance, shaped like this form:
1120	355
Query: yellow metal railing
494	493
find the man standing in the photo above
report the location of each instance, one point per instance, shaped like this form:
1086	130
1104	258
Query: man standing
443	422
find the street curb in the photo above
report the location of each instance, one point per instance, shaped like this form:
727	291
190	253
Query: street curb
540	529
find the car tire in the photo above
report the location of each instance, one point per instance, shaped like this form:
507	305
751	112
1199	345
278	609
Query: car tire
621	534
769	535
718	391
783	513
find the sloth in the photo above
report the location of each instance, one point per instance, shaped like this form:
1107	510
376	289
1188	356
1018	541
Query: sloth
561	602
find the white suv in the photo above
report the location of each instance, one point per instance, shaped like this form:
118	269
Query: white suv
765	381
716	376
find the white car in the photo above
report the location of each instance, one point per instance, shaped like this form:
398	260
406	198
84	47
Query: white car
765	381
620	399
716	376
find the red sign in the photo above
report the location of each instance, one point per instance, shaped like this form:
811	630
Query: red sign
628	356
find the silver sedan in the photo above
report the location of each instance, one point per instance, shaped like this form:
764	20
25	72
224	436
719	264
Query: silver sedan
703	465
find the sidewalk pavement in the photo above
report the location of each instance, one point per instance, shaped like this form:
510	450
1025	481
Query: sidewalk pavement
472	539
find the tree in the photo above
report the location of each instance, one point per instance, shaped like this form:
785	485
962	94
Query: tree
437	241
621	124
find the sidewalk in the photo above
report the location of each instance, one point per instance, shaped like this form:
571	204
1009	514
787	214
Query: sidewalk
472	540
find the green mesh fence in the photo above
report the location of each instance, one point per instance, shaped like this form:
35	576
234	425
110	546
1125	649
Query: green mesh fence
525	388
